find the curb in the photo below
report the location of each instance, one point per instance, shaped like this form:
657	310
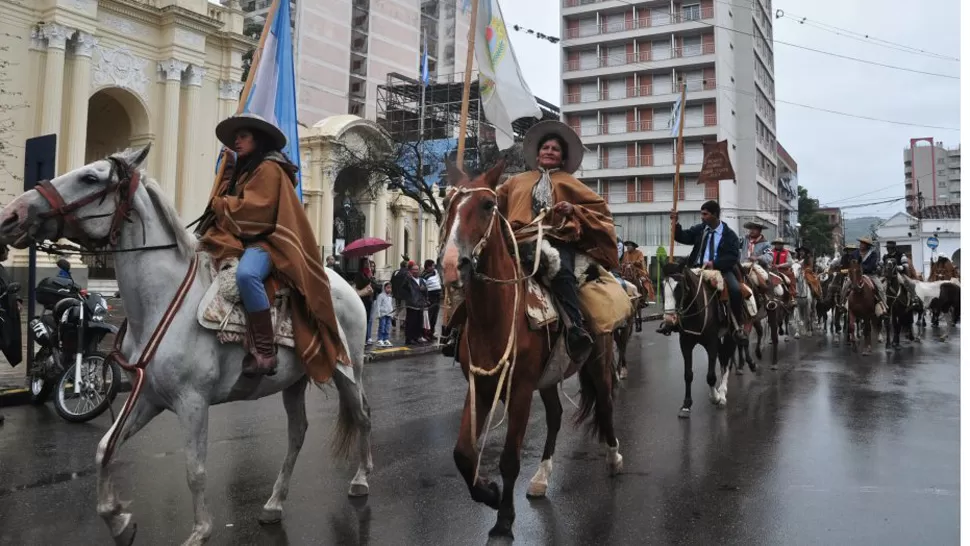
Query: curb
395	353
18	396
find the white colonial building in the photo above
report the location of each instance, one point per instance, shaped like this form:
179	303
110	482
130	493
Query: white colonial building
913	234
104	75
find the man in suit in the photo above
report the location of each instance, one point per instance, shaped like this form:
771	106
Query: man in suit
715	246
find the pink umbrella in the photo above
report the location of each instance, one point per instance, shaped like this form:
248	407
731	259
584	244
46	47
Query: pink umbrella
365	247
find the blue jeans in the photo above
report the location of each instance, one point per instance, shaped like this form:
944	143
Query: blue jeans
384	328
254	266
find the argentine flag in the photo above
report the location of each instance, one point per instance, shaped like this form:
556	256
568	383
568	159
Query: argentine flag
273	93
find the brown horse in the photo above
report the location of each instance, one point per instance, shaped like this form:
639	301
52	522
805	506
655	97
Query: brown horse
862	306
629	274
501	356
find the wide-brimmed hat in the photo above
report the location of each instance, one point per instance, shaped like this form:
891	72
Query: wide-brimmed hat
226	130
890	243
865	240
850	247
778	241
631	243
538	132
754	225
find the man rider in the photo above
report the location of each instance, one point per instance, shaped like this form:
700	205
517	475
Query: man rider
715	246
868	260
902	265
781	261
755	244
635	259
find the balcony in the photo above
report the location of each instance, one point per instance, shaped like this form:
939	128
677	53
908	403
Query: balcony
620	31
632	96
644	165
644	130
606	66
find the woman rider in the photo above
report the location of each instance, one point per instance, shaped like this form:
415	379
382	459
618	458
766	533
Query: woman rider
254	215
578	219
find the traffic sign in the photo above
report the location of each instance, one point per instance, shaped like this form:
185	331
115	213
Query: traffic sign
932	242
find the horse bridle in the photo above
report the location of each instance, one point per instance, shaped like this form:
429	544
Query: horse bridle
124	190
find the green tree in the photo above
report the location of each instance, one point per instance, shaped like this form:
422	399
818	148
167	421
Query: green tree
252	31
815	232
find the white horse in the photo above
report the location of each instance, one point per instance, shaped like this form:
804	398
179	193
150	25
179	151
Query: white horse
805	303
191	370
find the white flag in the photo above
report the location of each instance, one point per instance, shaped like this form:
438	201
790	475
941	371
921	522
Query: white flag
674	122
504	94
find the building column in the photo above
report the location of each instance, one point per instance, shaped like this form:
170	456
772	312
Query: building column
380	227
168	167
228	97
329	176
81	88
400	221
56	36
191	151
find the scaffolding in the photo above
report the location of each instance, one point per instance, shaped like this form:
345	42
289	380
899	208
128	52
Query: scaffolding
399	112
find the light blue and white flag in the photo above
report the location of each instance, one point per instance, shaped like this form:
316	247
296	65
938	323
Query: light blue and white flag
674	122
425	73
273	93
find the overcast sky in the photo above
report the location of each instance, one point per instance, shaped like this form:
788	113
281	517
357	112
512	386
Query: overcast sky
838	157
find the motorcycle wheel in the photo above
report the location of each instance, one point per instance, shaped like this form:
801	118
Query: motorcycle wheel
101	387
40	387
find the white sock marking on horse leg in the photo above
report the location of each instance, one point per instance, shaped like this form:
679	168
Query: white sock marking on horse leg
540	482
614	459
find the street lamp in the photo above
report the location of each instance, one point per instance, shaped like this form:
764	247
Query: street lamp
798	230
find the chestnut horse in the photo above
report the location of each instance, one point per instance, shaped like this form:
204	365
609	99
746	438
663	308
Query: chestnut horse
501	356
862	307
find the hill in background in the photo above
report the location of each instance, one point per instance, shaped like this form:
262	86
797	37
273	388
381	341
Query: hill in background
860	227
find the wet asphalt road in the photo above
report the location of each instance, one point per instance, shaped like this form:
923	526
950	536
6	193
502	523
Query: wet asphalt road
830	449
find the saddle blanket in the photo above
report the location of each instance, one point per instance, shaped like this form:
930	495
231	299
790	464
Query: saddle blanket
605	303
221	307
716	280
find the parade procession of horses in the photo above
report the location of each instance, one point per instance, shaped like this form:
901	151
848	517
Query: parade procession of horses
541	294
537	294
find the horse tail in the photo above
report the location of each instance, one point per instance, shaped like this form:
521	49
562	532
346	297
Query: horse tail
590	403
346	431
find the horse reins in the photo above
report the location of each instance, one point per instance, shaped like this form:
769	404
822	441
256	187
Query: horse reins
505	368
64	214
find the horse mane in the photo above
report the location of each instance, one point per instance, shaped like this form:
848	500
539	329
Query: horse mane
170	217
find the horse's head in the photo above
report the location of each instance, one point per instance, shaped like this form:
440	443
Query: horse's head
471	217
678	280
87	205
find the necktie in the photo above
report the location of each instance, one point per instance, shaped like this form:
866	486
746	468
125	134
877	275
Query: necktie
710	251
706	242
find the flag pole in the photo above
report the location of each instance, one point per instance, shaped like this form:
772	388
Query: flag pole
420	173
466	90
253	65
678	157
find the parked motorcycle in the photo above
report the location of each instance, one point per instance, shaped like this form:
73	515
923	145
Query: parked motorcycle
67	333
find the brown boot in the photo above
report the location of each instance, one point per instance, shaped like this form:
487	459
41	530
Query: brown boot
261	359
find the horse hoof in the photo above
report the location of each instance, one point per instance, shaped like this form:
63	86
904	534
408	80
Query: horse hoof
503	528
684	413
616	465
722	402
271	517
536	490
797	336
774	367
624	373
127	536
739	370
487	493
358	490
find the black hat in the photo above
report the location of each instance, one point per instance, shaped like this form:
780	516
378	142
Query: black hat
631	243
754	225
712	207
805	248
890	243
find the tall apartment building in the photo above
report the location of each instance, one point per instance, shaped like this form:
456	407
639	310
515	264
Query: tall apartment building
346	48
937	174
787	195
834	216
623	61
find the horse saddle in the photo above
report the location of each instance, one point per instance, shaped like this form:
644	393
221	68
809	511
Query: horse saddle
221	308
716	280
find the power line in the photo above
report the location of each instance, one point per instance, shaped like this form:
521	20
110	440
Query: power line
865	38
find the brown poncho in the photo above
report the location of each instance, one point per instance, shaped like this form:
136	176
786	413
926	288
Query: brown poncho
264	210
635	259
590	227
